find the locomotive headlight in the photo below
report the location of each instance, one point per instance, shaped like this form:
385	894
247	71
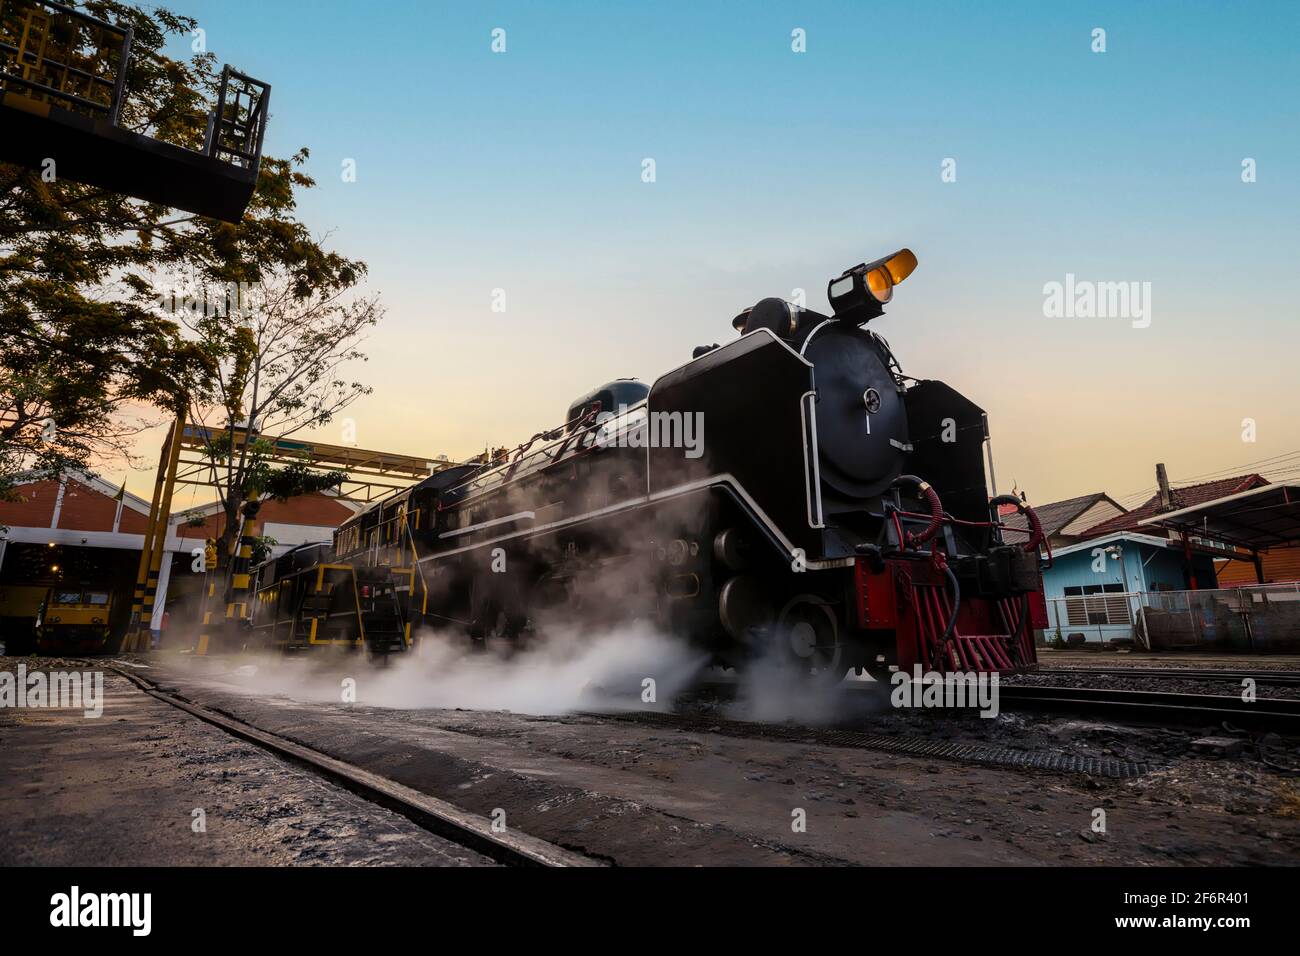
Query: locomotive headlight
860	292
901	264
881	285
884	274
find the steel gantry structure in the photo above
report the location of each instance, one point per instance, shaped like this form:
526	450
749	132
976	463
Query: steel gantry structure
63	85
187	458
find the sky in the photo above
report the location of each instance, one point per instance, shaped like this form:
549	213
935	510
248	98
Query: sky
990	138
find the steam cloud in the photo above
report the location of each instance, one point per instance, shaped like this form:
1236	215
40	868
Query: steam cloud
566	671
769	691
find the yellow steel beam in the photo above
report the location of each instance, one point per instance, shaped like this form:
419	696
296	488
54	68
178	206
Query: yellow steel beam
142	573
358	460
142	639
369	474
155	542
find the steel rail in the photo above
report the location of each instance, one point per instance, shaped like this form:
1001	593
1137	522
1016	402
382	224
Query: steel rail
1280	714
465	829
1270	713
1274	678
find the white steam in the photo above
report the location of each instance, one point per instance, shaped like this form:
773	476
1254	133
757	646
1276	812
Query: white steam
769	690
570	670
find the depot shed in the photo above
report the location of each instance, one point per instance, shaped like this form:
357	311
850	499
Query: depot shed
80	529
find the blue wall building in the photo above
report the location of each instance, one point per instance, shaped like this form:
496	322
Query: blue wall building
1093	587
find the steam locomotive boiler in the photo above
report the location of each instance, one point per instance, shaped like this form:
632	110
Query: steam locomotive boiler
788	495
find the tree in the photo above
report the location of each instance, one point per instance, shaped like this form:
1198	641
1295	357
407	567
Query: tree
80	338
280	347
66	375
71	353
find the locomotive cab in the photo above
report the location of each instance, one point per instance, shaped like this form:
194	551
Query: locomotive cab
609	399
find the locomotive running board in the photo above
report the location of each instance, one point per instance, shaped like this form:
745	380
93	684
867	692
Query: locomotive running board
721	480
506	519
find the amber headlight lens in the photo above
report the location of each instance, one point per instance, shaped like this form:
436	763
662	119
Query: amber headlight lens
881	285
900	265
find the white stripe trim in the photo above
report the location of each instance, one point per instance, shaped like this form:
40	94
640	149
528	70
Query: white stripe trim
677	491
518	516
817	328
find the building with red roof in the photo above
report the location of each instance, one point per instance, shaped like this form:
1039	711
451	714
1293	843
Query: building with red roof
1185	497
1099	569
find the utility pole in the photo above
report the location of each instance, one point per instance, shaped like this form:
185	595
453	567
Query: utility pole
1167	504
1162	481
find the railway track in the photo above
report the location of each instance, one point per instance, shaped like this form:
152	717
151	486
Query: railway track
473	832
1263	678
1276	714
438	817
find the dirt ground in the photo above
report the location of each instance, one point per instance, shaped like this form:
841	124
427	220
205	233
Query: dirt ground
637	794
122	789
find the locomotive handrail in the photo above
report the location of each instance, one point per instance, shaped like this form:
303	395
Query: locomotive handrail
506	471
415	567
811	458
1036	535
936	515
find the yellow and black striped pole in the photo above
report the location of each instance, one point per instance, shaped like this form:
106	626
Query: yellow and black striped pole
240	577
142	572
209	594
159	548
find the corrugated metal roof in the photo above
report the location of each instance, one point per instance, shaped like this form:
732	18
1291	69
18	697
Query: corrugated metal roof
1264	517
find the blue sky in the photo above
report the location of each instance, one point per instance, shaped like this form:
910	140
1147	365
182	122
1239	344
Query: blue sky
776	170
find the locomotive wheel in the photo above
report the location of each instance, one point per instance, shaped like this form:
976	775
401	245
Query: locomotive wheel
879	671
497	630
807	639
549	596
378	659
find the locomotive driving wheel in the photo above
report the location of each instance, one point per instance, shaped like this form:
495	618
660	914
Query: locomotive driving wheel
807	640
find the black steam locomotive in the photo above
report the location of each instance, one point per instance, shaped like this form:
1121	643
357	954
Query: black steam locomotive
790	495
